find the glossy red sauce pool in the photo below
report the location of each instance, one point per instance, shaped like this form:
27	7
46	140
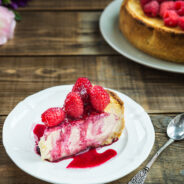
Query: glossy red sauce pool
91	158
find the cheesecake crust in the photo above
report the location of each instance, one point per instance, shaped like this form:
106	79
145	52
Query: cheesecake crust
116	106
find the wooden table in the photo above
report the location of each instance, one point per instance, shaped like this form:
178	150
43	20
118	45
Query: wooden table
58	41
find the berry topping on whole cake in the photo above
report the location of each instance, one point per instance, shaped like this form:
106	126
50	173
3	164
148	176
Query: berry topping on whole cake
170	18
171	12
91	117
151	8
181	22
179	7
166	6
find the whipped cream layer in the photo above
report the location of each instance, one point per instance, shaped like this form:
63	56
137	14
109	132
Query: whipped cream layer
71	138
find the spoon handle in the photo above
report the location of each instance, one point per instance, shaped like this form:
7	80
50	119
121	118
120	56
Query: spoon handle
140	177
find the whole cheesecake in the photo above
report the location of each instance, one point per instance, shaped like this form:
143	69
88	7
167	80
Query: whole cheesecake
149	34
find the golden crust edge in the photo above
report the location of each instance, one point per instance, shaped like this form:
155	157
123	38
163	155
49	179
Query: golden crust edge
117	102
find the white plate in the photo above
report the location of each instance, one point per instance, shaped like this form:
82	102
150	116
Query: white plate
132	148
111	33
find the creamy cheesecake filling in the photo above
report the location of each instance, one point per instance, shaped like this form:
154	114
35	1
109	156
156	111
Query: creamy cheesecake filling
71	138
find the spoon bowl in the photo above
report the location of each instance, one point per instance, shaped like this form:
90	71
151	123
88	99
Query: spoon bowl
175	129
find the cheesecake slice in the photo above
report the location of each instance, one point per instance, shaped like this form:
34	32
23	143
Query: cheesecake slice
95	130
91	117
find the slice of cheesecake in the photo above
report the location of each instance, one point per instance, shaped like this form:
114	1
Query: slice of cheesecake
93	130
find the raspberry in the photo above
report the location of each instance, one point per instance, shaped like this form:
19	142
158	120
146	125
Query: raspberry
179	7
170	18
160	1
99	98
53	116
167	5
181	22
151	9
83	86
143	2
74	106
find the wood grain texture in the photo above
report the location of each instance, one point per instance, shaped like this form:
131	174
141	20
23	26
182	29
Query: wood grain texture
58	41
157	92
66	5
168	169
57	33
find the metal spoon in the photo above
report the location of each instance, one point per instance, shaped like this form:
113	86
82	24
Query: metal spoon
175	131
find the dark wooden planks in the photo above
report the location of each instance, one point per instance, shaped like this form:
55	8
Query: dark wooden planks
66	5
57	33
157	92
161	172
70	27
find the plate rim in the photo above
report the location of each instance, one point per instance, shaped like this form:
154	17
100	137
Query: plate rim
134	59
145	154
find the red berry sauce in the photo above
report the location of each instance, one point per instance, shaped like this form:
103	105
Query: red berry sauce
38	131
91	158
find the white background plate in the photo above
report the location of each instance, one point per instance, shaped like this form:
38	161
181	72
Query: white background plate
111	33
132	148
